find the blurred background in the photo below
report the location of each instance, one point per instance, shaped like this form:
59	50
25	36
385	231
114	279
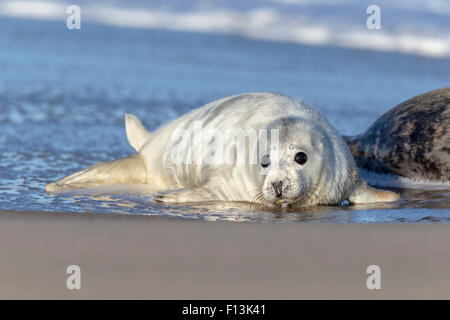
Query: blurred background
63	93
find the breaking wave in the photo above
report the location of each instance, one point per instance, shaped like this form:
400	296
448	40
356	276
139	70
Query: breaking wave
297	21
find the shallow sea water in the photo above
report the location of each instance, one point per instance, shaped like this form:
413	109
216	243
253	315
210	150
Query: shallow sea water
63	96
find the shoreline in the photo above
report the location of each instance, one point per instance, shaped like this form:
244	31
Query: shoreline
142	257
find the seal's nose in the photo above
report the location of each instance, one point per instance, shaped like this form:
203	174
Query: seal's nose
277	187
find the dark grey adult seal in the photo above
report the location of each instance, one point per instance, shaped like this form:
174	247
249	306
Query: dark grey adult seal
411	140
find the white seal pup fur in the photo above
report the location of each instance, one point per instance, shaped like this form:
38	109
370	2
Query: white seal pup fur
312	166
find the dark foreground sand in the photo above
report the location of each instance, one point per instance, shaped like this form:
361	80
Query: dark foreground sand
156	258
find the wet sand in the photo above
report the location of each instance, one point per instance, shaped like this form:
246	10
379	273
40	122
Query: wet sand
146	257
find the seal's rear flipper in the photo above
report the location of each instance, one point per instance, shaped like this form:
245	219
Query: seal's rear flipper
366	194
130	170
137	135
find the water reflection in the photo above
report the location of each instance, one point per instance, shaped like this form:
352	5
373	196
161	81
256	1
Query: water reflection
424	206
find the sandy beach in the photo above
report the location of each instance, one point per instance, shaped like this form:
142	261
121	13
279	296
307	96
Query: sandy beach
124	256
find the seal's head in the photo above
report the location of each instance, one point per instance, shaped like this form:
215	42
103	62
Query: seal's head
300	159
309	164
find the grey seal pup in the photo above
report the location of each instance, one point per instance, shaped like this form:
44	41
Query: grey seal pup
262	148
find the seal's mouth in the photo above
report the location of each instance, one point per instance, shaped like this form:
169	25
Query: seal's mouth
284	202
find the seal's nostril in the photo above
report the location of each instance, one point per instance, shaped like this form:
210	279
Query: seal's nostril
277	187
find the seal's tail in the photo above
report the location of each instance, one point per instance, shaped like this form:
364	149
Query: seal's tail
130	170
137	135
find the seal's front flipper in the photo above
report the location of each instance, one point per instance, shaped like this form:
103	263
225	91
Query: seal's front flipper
363	193
137	135
203	193
130	170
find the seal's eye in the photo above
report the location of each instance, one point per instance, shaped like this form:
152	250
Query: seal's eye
265	161
301	158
